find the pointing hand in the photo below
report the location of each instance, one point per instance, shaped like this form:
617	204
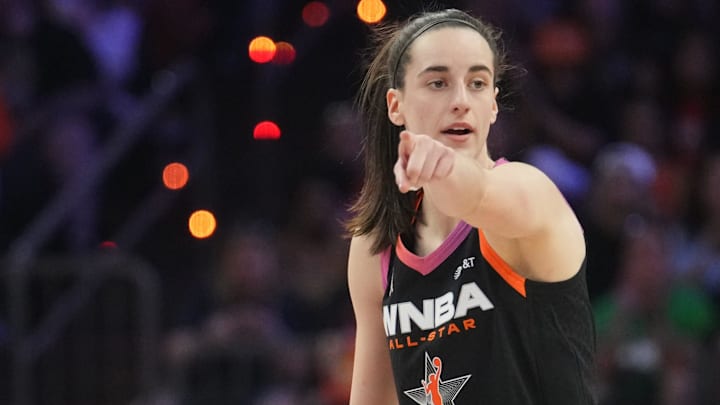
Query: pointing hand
421	159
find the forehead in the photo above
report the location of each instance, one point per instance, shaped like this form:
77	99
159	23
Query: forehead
450	46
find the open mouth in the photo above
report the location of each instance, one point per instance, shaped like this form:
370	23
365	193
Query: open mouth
457	131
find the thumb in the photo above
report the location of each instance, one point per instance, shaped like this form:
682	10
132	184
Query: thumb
406	135
405	147
406	144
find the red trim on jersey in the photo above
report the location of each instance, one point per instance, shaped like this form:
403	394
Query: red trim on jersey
501	267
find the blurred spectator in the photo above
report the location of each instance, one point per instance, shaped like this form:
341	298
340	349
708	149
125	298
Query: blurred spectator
644	122
59	152
650	329
314	257
572	178
61	59
562	101
699	259
337	156
709	389
238	347
563	94
109	30
620	195
333	351
318	307
172	32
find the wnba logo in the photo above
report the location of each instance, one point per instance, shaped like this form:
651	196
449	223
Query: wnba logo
435	311
434	390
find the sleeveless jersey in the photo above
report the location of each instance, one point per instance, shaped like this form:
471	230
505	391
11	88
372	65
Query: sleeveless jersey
463	328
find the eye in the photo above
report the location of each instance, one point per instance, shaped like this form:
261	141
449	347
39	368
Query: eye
477	84
436	84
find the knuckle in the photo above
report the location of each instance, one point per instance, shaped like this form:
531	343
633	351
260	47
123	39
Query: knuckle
412	172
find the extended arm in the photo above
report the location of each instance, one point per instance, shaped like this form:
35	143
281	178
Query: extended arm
518	207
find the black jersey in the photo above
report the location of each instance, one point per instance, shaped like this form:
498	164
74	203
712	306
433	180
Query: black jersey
463	328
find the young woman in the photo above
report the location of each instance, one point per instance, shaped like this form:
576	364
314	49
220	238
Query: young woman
467	275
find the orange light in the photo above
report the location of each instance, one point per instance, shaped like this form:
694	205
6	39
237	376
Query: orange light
202	224
371	11
266	130
315	14
284	54
175	176
262	49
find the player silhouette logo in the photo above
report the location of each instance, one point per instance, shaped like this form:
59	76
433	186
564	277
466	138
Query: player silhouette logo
434	390
432	387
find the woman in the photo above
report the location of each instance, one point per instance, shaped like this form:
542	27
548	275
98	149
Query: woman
464	272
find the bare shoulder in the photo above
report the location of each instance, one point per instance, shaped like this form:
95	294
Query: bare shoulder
522	171
364	272
531	185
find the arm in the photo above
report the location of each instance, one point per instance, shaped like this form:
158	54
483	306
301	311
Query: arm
520	210
372	380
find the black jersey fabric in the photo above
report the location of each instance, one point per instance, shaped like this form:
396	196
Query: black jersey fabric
463	328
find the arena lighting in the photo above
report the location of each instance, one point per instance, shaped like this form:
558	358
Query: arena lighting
284	53
266	130
371	11
202	224
108	244
262	49
315	14
175	176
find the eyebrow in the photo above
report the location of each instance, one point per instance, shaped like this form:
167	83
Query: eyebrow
442	69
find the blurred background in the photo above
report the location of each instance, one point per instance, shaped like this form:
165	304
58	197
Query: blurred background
174	173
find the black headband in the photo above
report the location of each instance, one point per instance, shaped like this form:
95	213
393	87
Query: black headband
420	32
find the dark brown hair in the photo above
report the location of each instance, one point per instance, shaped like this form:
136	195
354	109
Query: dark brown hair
381	210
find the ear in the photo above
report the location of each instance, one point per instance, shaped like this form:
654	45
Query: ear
495	108
392	97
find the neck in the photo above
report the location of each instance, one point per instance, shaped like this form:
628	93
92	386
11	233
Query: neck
433	226
431	215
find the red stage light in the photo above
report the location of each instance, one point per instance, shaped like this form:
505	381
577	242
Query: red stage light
284	54
315	14
266	130
175	176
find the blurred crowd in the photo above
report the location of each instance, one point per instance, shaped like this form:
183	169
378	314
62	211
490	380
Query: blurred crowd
617	101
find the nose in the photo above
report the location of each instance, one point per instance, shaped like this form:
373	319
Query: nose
460	101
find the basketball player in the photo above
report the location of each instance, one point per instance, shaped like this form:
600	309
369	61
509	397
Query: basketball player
467	274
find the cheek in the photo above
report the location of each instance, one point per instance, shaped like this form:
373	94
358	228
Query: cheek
422	113
489	110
